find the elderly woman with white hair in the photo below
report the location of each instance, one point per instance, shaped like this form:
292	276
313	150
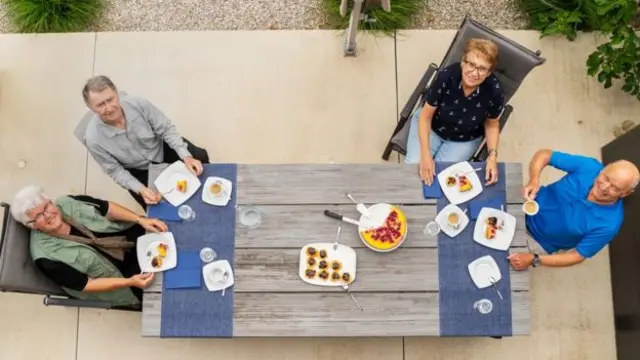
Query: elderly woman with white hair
85	245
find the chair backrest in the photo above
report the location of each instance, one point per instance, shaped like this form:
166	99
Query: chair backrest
514	60
18	273
514	64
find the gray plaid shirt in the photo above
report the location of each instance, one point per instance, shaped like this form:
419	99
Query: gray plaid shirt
139	145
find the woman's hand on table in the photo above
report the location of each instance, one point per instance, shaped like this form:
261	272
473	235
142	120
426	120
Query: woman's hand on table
427	169
520	261
142	281
491	171
152	225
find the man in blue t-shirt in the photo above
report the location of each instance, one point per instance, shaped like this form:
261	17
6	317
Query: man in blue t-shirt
581	213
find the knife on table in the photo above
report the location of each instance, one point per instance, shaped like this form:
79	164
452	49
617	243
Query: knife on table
337	216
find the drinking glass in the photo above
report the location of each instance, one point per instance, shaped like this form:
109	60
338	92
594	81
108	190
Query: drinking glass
186	213
432	229
483	306
207	254
250	217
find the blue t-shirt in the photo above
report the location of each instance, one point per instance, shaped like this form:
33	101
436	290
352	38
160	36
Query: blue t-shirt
568	220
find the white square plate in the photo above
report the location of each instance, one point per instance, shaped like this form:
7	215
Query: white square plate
225	195
482	270
147	249
452	193
504	236
167	180
209	272
441	219
344	254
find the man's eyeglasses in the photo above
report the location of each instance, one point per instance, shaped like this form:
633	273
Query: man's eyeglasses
475	67
48	209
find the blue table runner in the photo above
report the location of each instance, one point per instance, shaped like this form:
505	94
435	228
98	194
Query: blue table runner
457	291
197	312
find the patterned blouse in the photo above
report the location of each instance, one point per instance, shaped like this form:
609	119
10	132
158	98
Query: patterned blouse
459	117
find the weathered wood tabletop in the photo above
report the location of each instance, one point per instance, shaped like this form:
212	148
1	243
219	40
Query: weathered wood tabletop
398	290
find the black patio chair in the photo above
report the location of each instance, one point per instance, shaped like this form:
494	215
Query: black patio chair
18	272
514	63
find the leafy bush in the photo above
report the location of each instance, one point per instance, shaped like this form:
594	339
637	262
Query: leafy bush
40	16
402	11
619	58
561	17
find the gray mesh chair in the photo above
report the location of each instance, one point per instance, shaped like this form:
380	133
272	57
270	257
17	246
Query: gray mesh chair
514	64
19	274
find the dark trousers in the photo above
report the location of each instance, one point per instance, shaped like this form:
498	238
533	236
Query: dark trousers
170	156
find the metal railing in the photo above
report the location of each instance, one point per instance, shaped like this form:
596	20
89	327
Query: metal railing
357	15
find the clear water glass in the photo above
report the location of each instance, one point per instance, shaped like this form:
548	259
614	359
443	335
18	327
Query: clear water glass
432	229
186	213
483	306
250	217
207	254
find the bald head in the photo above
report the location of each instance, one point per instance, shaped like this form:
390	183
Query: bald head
624	173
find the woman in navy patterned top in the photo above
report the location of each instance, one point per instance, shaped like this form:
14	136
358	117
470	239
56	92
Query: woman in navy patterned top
462	106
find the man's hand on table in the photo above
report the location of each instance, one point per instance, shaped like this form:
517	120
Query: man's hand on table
195	166
491	170
520	261
152	225
150	196
142	281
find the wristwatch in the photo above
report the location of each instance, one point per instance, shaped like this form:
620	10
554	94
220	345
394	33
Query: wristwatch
492	151
536	260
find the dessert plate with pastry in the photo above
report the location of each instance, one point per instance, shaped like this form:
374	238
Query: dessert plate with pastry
156	252
460	182
217	191
494	229
327	264
452	220
177	184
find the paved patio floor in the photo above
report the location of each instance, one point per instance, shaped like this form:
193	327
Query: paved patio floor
286	96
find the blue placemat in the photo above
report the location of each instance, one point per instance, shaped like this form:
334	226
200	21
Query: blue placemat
458	293
199	312
490	192
187	274
163	211
434	191
498	202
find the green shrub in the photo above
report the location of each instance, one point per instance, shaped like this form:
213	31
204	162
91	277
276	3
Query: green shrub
402	11
561	17
42	16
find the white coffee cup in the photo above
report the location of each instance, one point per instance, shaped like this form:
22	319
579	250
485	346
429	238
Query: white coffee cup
217	275
530	207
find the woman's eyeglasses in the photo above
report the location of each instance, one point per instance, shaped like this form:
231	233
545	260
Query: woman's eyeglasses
48	209
471	66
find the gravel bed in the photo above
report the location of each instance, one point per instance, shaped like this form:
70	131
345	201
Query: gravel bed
173	15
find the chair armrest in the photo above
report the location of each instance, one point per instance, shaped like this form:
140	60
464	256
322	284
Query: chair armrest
419	90
62	301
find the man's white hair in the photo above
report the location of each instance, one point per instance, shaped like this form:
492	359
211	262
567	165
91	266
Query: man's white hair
25	200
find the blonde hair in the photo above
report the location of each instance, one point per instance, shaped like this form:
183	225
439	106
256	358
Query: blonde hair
487	49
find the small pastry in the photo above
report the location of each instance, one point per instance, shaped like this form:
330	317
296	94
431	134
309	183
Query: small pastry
310	273
335	265
323	264
335	276
323	254
311	261
311	251
324	275
346	277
